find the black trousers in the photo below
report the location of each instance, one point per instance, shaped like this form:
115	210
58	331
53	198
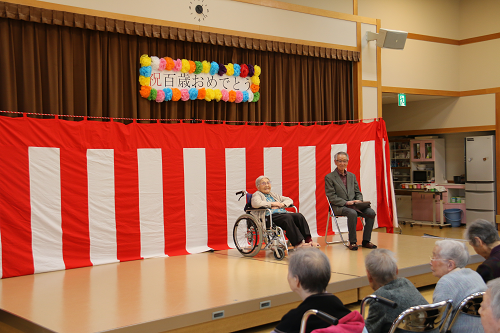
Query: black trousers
294	224
352	221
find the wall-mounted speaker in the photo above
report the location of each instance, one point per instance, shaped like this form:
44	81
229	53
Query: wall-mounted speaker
388	39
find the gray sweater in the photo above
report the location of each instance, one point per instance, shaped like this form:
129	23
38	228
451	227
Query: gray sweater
401	291
457	285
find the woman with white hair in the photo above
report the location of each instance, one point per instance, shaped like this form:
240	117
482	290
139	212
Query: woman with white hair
294	224
448	261
490	307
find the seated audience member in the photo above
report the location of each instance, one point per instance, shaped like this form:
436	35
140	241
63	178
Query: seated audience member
456	282
294	224
483	237
342	190
490	307
382	271
308	276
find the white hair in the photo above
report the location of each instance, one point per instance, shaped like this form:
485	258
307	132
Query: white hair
259	179
382	266
454	250
494	289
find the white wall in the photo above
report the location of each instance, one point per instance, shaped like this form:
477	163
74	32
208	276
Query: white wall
422	65
234	15
441	113
341	6
427	17
479	65
479	18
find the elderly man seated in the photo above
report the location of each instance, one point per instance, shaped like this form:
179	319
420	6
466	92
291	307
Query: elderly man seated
308	275
294	224
483	237
490	307
382	270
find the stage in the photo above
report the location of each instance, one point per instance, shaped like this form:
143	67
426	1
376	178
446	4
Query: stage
210	292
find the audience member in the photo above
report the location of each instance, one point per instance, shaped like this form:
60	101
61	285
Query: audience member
308	275
483	237
382	271
490	307
456	282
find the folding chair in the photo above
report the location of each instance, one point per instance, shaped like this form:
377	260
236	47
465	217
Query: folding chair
333	217
470	305
325	316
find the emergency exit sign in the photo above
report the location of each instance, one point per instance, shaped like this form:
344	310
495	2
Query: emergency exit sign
401	100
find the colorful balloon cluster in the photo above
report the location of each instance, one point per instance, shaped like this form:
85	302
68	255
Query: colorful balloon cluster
197	67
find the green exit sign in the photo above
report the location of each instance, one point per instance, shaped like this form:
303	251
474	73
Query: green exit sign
401	100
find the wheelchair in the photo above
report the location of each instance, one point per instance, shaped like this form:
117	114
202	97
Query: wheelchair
249	233
419	318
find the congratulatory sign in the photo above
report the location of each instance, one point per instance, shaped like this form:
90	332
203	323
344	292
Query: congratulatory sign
166	79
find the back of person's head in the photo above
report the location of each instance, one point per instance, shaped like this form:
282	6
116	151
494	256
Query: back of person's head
494	291
454	250
312	268
382	266
486	231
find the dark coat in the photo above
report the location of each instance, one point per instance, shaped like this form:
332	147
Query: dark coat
337	192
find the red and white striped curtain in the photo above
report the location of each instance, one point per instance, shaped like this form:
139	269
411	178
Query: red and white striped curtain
84	193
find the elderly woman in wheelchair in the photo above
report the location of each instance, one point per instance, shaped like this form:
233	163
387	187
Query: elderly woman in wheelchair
265	220
294	224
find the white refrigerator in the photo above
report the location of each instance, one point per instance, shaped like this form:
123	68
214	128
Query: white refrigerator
480	186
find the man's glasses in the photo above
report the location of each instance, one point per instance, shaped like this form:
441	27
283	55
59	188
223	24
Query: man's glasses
342	161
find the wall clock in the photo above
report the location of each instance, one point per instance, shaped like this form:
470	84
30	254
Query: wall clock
199	10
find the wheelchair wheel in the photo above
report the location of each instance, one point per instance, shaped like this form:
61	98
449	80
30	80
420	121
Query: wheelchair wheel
247	235
279	254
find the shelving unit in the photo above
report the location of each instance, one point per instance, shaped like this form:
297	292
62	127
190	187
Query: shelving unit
429	154
400	162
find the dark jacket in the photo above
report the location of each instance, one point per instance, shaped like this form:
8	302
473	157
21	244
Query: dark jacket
490	268
325	302
338	194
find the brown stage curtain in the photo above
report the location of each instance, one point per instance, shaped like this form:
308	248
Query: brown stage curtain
71	64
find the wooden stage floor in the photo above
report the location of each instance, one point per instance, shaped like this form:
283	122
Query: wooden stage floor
181	294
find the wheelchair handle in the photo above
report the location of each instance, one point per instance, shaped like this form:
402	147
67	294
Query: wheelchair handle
386	301
326	317
241	194
379	299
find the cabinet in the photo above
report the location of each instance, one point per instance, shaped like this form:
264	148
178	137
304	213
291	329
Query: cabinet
422	203
422	150
400	162
428	157
422	206
403	206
